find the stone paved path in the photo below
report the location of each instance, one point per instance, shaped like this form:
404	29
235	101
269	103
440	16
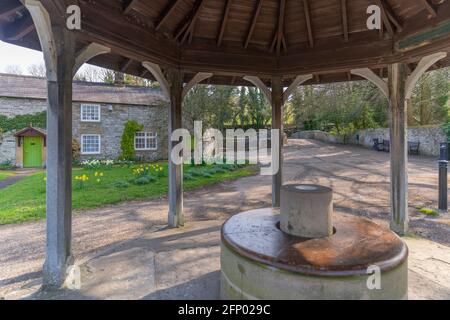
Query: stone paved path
358	176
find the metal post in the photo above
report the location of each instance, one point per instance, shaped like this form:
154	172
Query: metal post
443	176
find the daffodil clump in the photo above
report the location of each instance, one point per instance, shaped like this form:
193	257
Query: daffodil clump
97	164
145	174
81	181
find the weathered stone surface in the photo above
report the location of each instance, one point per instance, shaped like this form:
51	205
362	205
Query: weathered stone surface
429	138
306	210
111	126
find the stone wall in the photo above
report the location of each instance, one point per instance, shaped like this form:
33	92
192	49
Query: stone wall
113	118
429	138
7	148
12	107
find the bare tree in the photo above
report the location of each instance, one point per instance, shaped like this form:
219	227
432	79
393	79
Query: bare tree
37	70
13	69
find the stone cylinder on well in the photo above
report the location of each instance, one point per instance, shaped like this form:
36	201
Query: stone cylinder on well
306	210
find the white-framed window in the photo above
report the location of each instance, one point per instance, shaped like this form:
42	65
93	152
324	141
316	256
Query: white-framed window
145	141
90	144
90	113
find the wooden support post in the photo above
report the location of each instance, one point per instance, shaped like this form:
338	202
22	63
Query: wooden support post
277	123
399	148
61	62
59	159
277	97
176	218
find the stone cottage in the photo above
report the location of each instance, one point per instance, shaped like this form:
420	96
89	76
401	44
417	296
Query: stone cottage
100	112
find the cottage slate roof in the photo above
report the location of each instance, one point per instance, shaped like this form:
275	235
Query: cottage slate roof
18	86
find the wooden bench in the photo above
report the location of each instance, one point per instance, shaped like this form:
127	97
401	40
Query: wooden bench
413	148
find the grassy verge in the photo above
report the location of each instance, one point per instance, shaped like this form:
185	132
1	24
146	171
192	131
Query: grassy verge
25	200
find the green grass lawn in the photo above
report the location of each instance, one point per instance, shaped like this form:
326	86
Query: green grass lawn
25	200
5	174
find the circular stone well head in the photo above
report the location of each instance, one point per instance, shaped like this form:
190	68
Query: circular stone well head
306	210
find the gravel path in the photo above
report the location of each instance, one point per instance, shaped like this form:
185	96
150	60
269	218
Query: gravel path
358	176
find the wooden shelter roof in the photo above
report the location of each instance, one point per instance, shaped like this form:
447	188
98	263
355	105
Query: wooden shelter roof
234	38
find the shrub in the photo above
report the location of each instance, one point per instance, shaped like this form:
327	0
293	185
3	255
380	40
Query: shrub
121	184
144	180
188	176
127	142
75	150
429	212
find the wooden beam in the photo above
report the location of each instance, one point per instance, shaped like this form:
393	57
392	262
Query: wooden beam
430	8
9	9
295	84
253	24
257	82
186	27
308	23
280	32
424	64
399	148
87	53
199	77
176	217
277	153
19	29
344	19
129	6
392	16
166	13
125	65
372	77
384	16
157	73
223	26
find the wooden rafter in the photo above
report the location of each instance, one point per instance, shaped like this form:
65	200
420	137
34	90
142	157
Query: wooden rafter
129	6
344	19
10	9
384	16
279	38
125	65
430	8
223	26
186	27
253	24
168	10
20	29
308	23
392	16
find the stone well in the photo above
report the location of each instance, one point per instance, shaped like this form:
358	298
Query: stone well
306	252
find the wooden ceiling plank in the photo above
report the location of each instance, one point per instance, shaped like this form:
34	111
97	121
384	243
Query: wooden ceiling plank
308	23
344	19
223	26
166	13
253	24
187	26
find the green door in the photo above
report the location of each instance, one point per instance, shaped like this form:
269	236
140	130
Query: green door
32	152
